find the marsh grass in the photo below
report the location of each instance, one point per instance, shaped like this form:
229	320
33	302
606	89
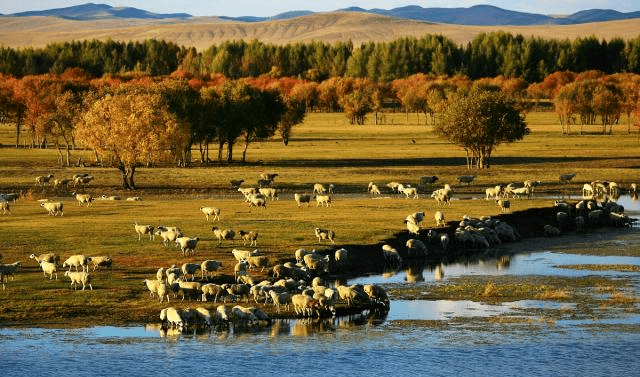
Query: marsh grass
324	149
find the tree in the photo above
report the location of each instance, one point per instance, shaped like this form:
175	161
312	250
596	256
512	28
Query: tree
131	130
481	121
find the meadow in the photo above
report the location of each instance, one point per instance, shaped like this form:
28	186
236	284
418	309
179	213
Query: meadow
324	149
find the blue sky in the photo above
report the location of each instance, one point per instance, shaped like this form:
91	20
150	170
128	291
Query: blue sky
236	8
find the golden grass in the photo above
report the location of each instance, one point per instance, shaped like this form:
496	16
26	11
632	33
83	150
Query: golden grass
323	149
202	32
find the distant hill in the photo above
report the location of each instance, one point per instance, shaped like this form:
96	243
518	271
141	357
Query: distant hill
478	15
91	11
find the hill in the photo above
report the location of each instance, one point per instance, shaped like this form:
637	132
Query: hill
92	11
202	32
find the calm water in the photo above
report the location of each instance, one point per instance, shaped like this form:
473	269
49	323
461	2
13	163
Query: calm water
416	338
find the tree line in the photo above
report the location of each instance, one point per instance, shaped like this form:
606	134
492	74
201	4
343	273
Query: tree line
487	55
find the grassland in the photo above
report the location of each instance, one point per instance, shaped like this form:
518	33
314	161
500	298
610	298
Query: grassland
324	149
202	32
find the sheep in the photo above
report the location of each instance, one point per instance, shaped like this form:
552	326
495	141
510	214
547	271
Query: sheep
8	269
238	290
302	198
551	231
134	199
393	186
240	268
187	245
101	261
466	179
223	314
493	192
444	241
189	288
168	235
214	290
83	198
391	255
209	266
521	191
269	176
211	211
236	182
53	208
246	191
76	261
4	205
282	298
319	188
82	180
412	227
243	255
144	229
595	217
566	178
504	205
587	190
633	188
49	268
269	192
341	256
152	285
439	216
243	316
48	257
415	218
304	305
160	274
442	196
352	293
325	234
428	180
264	182
172	317
257	201
251	237
79	277
373	189
377	294
190	269
42	180
416	248
409	192
323	200
317	263
221	235
258	261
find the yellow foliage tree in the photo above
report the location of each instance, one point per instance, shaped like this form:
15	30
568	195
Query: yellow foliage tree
131	130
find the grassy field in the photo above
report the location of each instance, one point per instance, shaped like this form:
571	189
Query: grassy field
324	149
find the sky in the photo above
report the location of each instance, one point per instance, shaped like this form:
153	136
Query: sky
266	8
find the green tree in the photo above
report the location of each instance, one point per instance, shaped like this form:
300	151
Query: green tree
479	122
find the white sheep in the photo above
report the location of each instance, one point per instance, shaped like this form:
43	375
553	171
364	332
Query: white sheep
4	205
223	234
240	268
413	228
269	192
439	216
83	199
257	200
172	317
134	199
76	261
633	188
190	269
7	270
302	198
521	191
42	180
209	266
373	189
49	268
211	211
53	208
246	191
47	257
214	290
79	277
152	285
168	235
323	200
319	188
393	186
82	180
325	234
280	298
258	261
341	256
187	245
243	255
101	261
409	192
504	205
416	248
144	229
251	237
188	288
391	255
493	192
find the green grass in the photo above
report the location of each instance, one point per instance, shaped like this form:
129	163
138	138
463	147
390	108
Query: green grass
324	149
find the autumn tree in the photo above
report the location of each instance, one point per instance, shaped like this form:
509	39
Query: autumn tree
481	121
130	130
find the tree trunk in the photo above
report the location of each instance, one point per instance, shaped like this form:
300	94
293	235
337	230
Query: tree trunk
229	152
220	147
127	176
18	133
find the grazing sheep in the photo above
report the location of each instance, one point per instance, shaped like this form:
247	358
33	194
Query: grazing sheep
439	216
323	200
42	180
144	229
211	211
152	286
260	261
304	305
504	205
243	255
269	176
189	288
134	199
302	198
391	255
82	277
633	188
280	298
8	269
204	316
187	245
49	268
393	186
269	192
76	261
264	182
238	290
221	235
251	237
82	180
551	231
341	256
48	257
416	248
213	290
566	178
319	188
101	261
428	180
246	191
172	317
443	195
587	190
493	192
415	218
409	191
466	179
243	316
53	208
168	235
377	294
412	227
325	234
240	268
209	266
317	263
579	224
444	241
4	205
521	191
257	200
236	182
190	269
373	189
